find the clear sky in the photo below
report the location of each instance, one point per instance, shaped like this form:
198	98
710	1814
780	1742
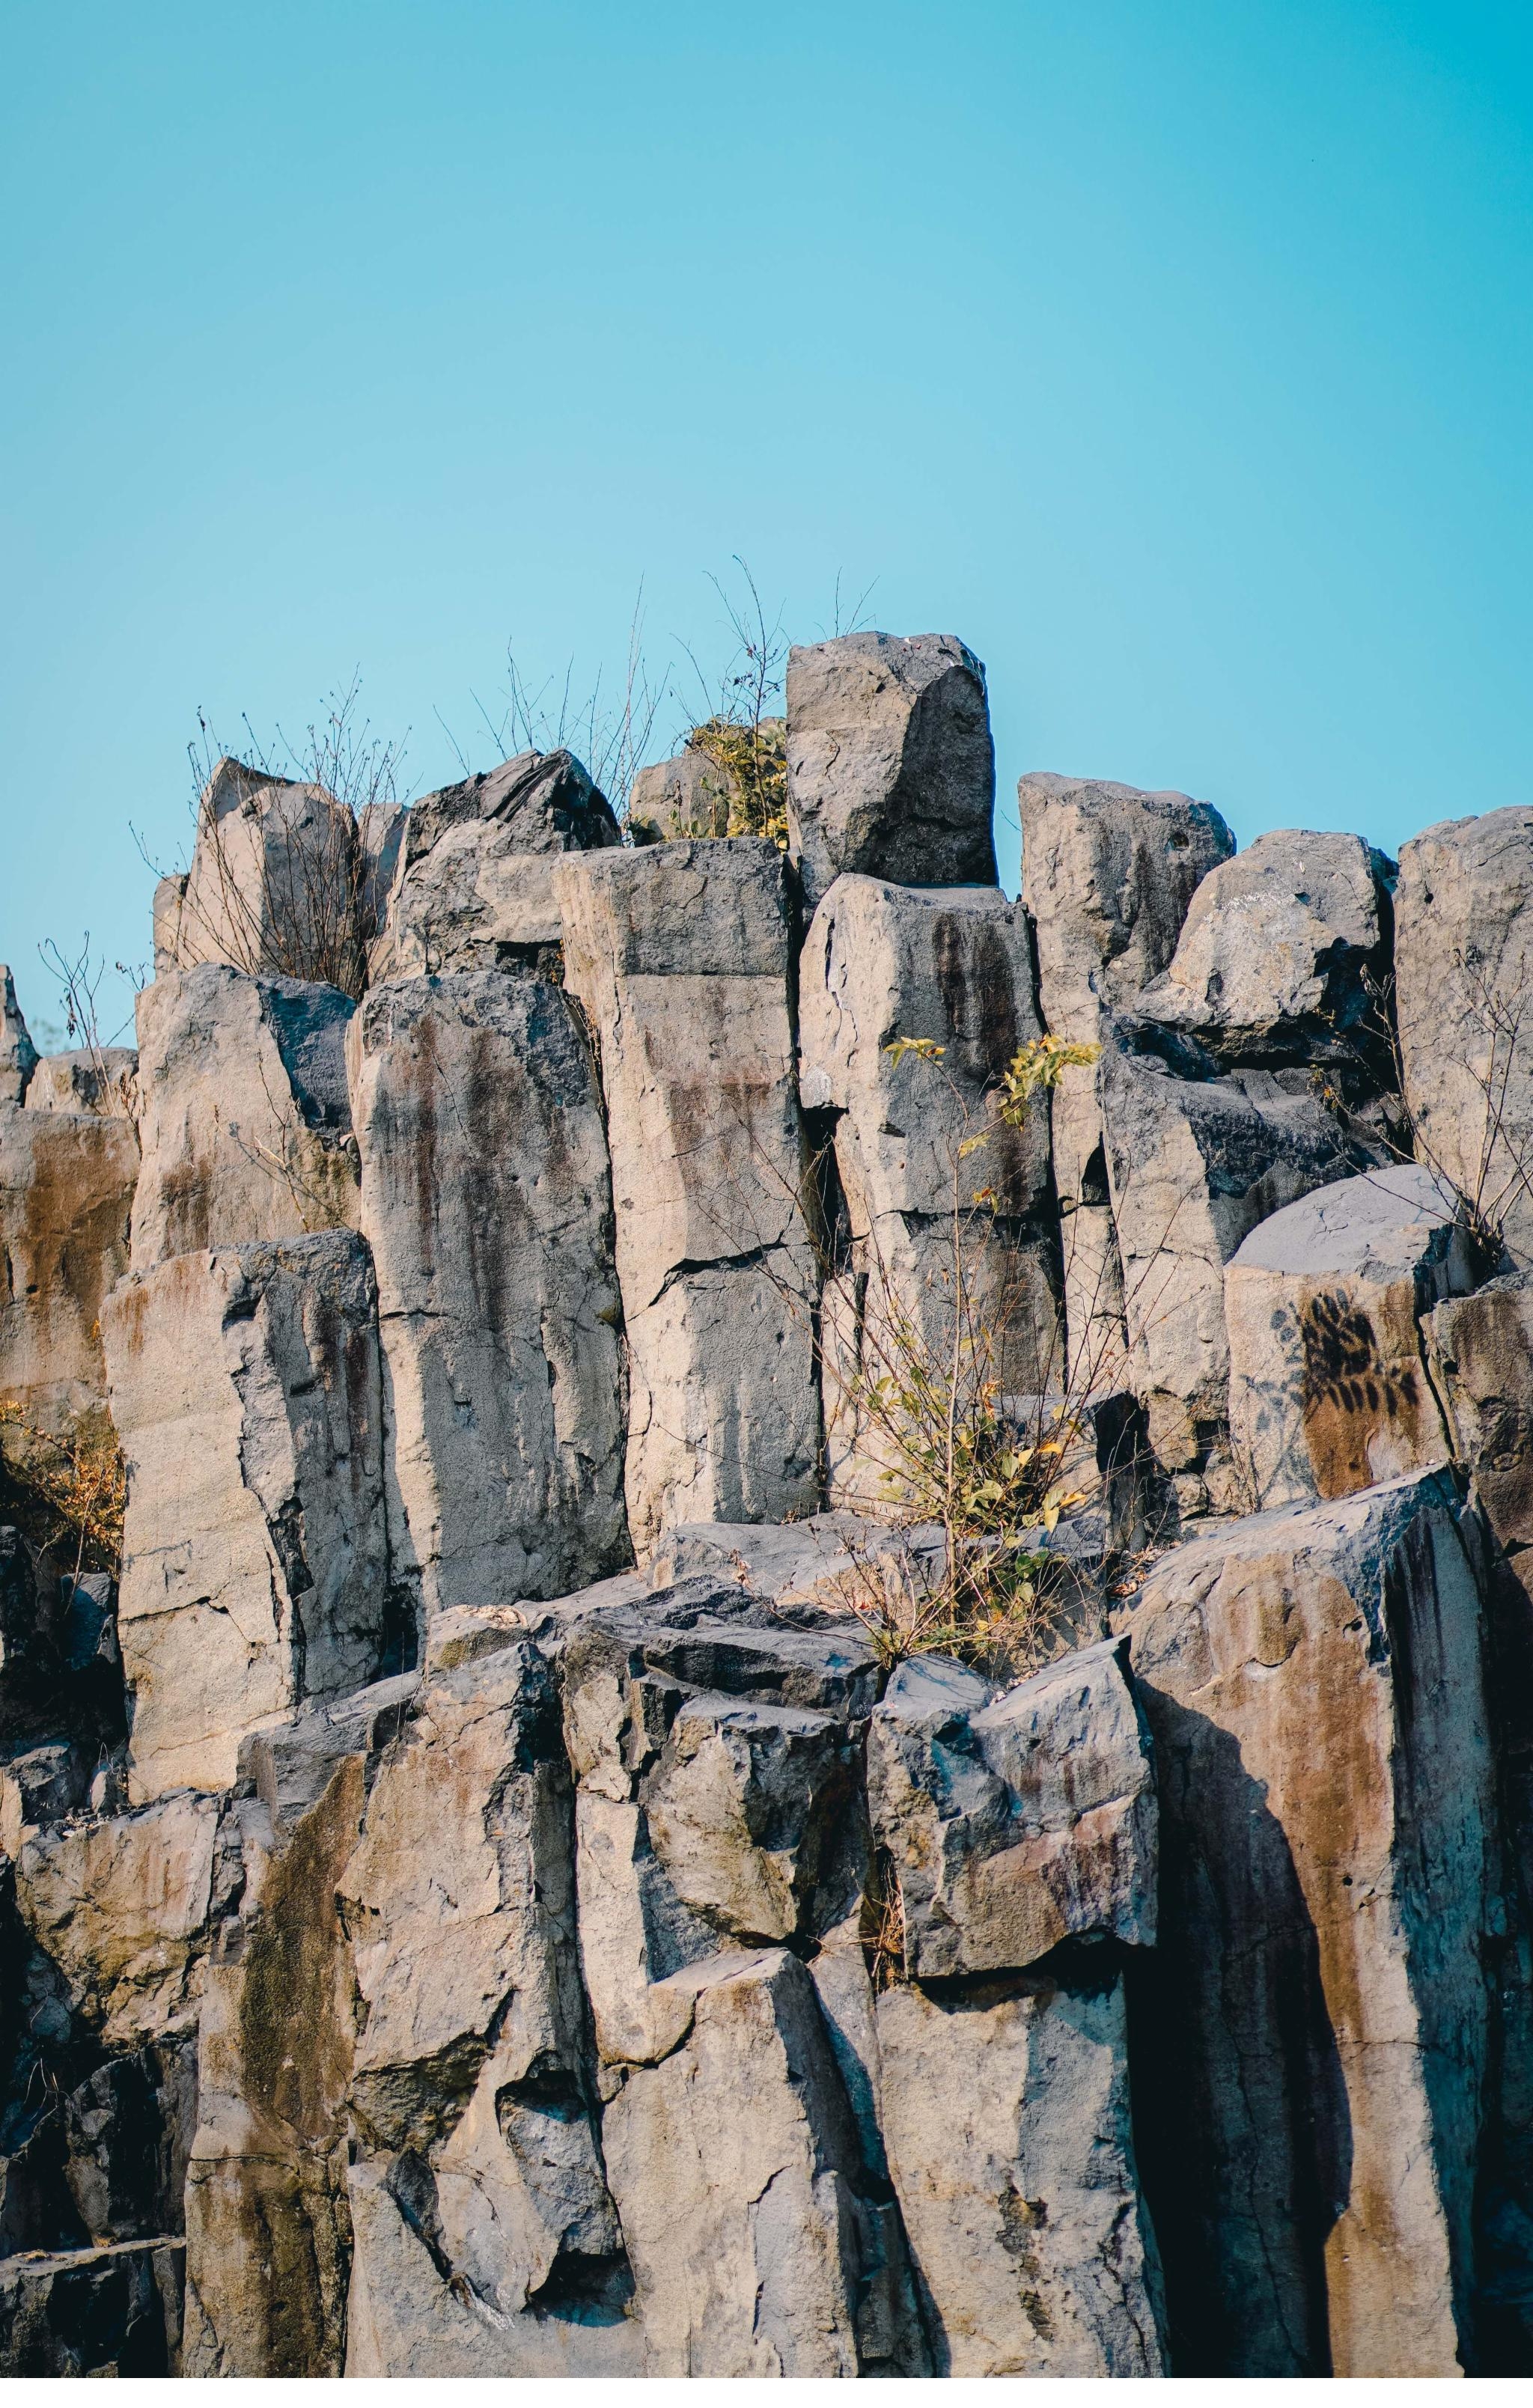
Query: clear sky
1176	356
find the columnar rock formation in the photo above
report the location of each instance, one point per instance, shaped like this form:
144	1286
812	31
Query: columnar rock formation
477	1896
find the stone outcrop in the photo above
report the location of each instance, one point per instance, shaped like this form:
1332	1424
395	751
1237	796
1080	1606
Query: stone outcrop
1194	1165
914	1137
891	767
1481	1351
472	887
1108	874
92	1078
487	1203
701	791
66	1189
1283	954
18	1053
1317	2011
679	956
1328	1390
245	1124
246	1390
273	885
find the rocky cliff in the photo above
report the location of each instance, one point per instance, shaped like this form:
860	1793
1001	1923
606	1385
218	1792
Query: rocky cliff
538	1835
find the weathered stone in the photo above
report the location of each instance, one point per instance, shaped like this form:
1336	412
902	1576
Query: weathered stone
66	1183
128	2127
169	895
123	1909
1463	977
406	2316
473	886
290	1765
915	1138
18	1053
381	834
696	793
1316	2012
741	2227
891	767
679	956
1277	950
244	1120
1015	1822
93	1078
107	2312
813	1562
245	1388
1481	1351
1195	1164
1007	2118
486	1200
273	885
1327	1388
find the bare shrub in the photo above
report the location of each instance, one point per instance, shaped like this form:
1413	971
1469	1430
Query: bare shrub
69	1486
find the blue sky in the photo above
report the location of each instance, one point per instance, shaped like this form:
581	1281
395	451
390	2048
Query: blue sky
1176	356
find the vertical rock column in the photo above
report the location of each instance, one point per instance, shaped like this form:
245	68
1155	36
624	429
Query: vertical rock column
486	1201
679	956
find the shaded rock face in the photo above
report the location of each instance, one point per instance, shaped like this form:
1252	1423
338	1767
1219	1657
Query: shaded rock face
891	767
94	1079
67	1187
1276	950
1481	1351
487	1203
472	878
245	1124
1316	2013
244	1386
679	956
1463	961
1329	1391
18	1053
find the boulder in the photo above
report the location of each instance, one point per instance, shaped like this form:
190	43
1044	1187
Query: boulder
1107	876
1282	954
244	1120
1328	1391
1013	1822
472	886
1463	972
678	954
246	1390
741	2228
1481	1349
124	1908
273	885
1194	1163
169	895
891	767
1006	2112
93	1078
18	1053
66	1185
916	1138
1317	2011
487	1203
115	2311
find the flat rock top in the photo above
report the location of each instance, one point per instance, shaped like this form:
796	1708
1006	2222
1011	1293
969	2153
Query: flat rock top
1377	1226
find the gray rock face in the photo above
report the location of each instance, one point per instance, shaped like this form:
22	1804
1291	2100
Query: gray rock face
1271	964
1328	1391
678	954
891	767
1482	1352
92	1078
1014	1822
486	1201
169	895
67	1185
273	885
244	1120
1107	876
1316	2011
1033	2253
112	2311
1194	1163
1463	964
124	1908
472	886
915	1139
18	1053
245	1388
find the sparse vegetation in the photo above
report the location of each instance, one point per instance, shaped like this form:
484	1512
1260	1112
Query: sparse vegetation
67	1489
